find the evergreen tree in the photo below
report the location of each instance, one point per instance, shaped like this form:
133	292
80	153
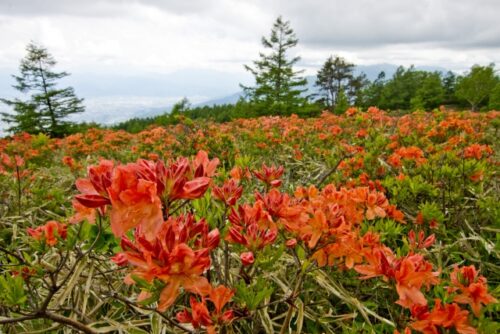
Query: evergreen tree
372	93
334	78
430	94
355	89
47	106
449	86
401	89
477	85
279	89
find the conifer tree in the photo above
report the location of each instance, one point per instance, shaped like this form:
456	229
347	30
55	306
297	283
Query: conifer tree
333	79
279	88
47	106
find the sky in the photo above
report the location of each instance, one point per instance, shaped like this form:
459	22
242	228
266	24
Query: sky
99	41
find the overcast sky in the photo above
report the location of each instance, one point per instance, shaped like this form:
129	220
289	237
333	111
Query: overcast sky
160	36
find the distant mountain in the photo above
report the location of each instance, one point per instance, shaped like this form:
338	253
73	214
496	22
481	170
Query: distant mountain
229	99
116	97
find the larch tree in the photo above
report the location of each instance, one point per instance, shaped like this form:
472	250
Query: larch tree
279	89
333	79
46	107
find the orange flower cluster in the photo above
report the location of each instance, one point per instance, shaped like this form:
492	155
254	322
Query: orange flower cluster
411	153
410	273
477	151
177	256
139	192
229	193
441	316
472	287
270	175
250	228
201	316
49	232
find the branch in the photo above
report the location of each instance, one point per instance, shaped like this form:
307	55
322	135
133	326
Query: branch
51	316
331	171
130	303
18	257
69	322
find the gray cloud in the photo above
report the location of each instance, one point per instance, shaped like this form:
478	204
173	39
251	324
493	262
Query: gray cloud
367	23
172	34
355	23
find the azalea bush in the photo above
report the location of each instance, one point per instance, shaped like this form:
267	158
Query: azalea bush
357	223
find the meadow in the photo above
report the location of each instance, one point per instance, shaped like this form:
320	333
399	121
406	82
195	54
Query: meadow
364	222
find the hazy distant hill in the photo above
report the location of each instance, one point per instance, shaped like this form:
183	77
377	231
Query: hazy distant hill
111	97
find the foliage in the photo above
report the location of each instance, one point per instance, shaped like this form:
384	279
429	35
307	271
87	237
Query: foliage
362	222
477	85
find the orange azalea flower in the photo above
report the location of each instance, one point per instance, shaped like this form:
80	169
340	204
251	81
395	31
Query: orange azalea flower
200	316
94	189
69	161
412	273
445	316
246	230
362	133
238	174
82	213
19	161
203	166
395	214
395	160
177	181
477	151
279	206
229	193
49	232
314	228
477	176
380	263
195	188
375	204
473	288
270	175
220	296
134	202
418	241
351	111
169	258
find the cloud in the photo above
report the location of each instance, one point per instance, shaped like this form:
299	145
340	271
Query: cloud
165	35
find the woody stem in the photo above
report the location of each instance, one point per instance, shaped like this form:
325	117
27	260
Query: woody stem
291	300
18	176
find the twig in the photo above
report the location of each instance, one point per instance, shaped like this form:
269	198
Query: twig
325	176
291	300
18	257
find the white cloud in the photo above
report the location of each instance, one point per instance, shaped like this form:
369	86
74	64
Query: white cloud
159	36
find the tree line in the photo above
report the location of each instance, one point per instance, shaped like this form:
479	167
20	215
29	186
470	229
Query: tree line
279	89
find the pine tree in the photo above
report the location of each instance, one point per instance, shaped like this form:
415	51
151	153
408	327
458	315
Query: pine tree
333	79
47	106
279	89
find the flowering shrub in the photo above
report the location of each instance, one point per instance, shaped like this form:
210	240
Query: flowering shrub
355	223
